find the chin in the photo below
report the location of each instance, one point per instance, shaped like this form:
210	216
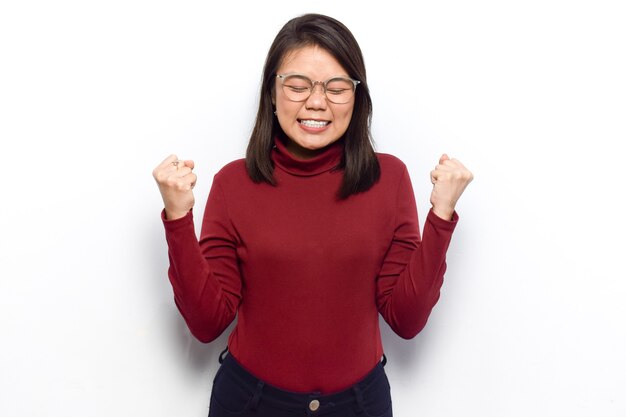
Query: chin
315	145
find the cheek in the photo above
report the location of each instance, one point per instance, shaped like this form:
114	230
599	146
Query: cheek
346	115
286	109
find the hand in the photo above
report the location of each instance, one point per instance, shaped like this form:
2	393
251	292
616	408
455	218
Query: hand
176	182
449	180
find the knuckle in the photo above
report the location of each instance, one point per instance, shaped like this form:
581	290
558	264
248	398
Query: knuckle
170	181
159	177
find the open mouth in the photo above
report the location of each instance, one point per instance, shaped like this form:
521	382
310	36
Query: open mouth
316	124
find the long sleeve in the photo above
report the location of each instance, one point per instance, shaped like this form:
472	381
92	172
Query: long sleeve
411	276
204	274
307	274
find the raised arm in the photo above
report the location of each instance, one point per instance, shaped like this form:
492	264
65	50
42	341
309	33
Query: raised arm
204	277
412	273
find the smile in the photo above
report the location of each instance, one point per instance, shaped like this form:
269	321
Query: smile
313	123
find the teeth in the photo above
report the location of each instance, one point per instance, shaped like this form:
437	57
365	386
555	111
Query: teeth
313	123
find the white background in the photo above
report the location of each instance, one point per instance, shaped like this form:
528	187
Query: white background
530	95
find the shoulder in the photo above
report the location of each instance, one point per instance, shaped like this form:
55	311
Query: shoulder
233	168
395	178
233	172
390	165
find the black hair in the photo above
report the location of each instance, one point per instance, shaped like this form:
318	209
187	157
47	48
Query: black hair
359	161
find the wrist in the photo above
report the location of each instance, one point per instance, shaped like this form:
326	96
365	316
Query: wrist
175	214
443	213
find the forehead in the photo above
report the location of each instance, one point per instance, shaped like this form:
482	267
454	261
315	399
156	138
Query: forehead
313	61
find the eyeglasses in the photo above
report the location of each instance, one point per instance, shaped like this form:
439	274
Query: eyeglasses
298	87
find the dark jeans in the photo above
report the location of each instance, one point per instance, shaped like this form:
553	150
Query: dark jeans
238	393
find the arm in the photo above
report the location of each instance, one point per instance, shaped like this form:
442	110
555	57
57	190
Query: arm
411	276
204	274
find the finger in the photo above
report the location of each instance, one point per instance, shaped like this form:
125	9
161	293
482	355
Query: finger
458	163
168	161
445	167
433	176
443	158
179	168
181	171
188	181
181	163
172	168
186	174
180	183
452	165
178	163
193	178
157	172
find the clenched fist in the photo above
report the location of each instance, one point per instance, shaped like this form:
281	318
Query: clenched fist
176	182
449	179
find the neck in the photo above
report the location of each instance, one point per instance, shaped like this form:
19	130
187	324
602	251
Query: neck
311	162
301	152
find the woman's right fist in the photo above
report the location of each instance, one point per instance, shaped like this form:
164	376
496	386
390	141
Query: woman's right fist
176	182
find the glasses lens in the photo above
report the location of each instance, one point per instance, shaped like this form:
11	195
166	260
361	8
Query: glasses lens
339	90
296	87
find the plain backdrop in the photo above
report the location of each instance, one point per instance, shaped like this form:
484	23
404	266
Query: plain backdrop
530	95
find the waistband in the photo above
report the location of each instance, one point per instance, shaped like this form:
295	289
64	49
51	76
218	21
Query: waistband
313	402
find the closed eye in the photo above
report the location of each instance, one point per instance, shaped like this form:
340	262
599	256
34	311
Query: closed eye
337	91
297	89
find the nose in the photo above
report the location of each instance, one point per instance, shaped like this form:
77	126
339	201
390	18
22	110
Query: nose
317	99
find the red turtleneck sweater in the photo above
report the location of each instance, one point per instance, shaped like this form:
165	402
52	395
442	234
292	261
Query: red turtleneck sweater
305	273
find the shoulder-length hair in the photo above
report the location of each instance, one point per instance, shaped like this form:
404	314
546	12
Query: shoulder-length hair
359	162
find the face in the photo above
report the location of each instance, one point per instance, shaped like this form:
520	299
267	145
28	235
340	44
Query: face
314	123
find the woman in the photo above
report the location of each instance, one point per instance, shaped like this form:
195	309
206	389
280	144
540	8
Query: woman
307	240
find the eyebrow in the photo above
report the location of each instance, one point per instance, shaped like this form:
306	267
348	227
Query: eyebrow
306	76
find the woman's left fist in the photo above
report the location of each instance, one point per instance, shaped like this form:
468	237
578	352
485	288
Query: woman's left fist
449	180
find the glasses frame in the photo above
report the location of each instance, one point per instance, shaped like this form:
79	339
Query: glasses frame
282	78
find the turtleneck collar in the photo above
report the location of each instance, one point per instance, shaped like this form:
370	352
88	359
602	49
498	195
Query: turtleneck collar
326	160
